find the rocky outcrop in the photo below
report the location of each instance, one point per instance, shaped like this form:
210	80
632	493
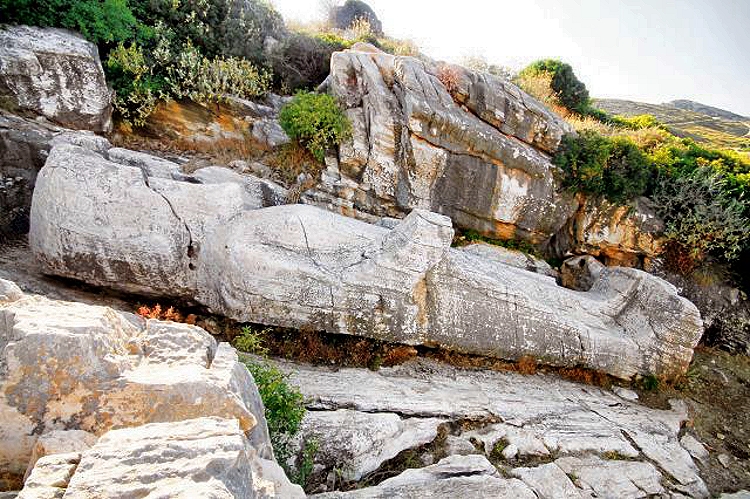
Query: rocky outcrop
301	267
56	74
204	457
443	138
514	258
455	476
630	235
569	440
80	367
24	146
355	443
343	16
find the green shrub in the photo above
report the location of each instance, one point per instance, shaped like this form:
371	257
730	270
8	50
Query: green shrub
202	80
284	405
570	91
702	215
251	341
100	21
137	90
639	122
315	121
612	167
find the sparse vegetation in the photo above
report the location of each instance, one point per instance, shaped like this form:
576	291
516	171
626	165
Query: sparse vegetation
316	121
166	314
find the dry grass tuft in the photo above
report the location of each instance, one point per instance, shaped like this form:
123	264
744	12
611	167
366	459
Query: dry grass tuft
526	365
168	314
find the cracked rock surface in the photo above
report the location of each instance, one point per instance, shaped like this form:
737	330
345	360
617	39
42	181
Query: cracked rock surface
67	365
133	222
572	440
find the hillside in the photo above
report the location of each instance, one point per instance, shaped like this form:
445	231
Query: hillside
705	124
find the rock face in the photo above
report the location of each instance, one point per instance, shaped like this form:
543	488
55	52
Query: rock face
204	457
301	267
603	446
467	476
343	16
81	367
56	74
447	139
356	443
23	150
630	236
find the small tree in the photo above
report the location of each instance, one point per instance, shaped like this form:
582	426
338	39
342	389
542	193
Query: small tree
570	91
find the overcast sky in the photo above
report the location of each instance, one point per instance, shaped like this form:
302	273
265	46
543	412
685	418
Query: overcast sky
646	50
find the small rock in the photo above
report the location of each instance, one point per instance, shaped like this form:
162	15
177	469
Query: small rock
459	446
694	447
510	452
725	460
742	494
580	272
720	436
624	393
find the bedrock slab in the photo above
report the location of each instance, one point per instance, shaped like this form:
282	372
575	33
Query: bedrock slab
596	443
206	457
69	366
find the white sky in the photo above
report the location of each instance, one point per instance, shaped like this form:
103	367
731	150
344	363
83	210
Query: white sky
646	50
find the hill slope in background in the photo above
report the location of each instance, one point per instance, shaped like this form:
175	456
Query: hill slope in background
716	112
705	124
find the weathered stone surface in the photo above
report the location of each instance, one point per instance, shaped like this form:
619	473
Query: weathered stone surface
580	272
513	258
24	145
298	266
694	447
73	366
206	457
444	138
54	73
630	236
50	476
548	481
60	442
454	476
616	479
357	443
268	131
540	415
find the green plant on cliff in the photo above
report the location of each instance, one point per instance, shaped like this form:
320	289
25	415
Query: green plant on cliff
612	167
569	90
316	121
283	402
702	215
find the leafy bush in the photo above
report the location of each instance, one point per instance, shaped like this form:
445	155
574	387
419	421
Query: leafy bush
137	90
202	80
612	167
100	21
702	215
284	405
251	341
315	121
570	91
